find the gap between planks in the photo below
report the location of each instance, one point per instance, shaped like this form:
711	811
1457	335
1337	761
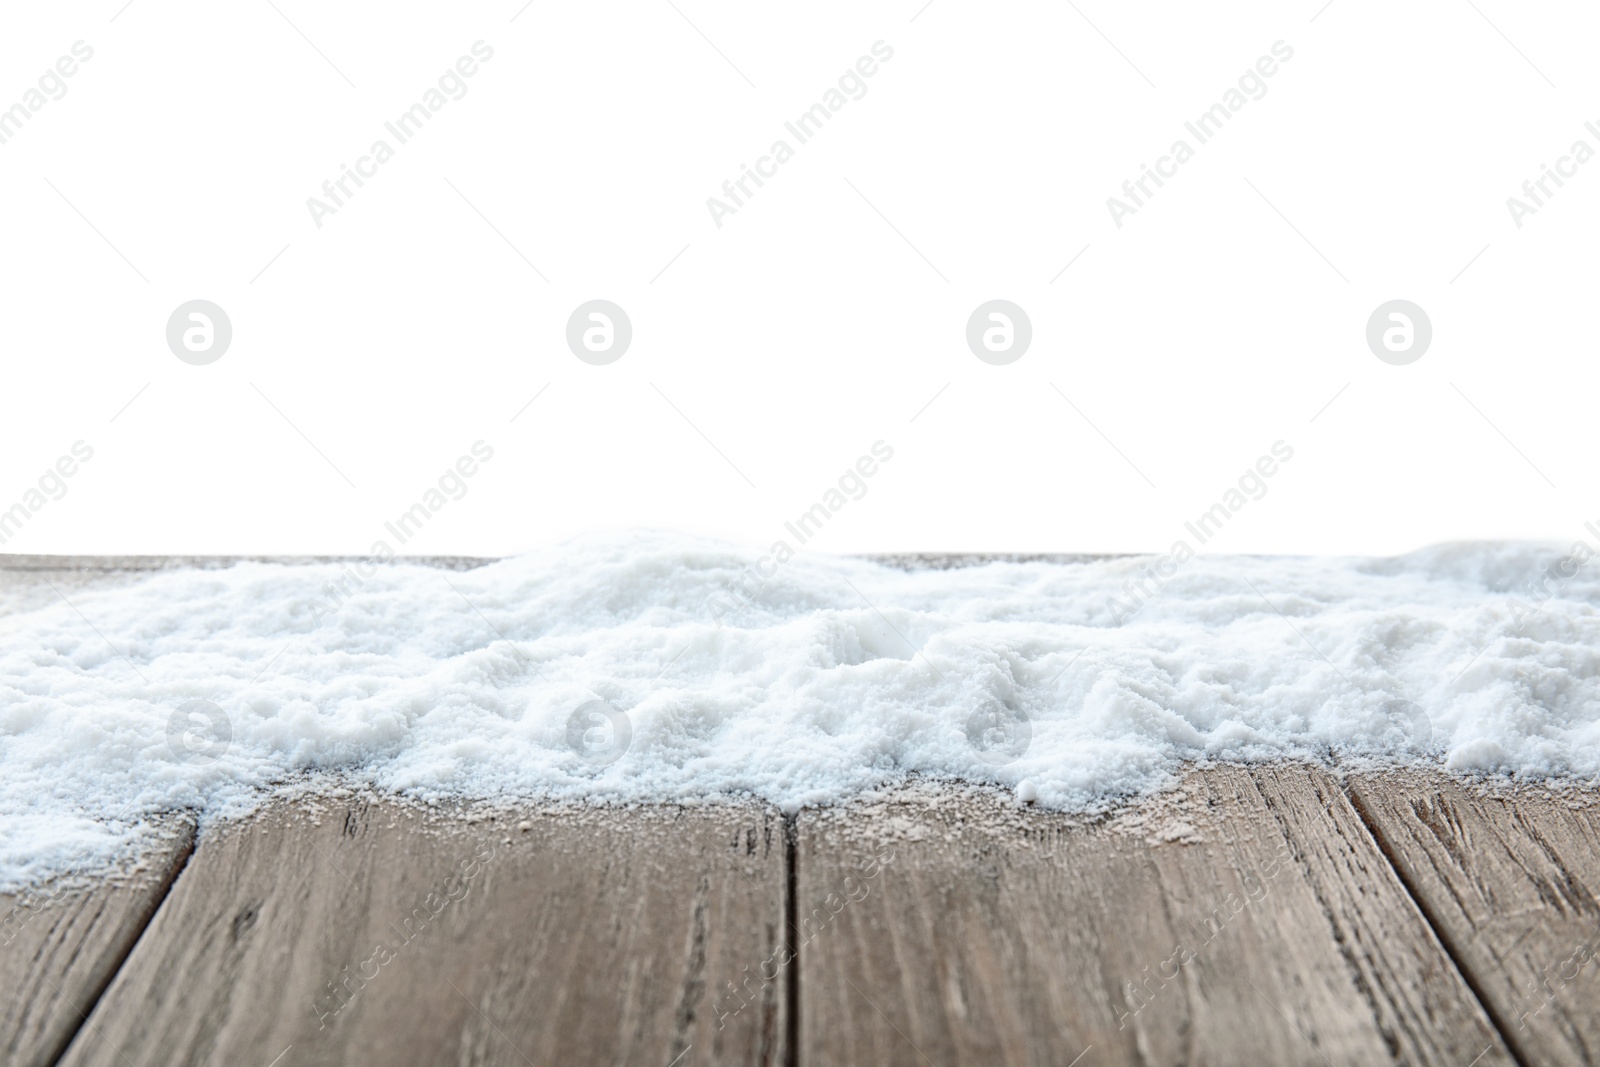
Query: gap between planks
1448	943
62	947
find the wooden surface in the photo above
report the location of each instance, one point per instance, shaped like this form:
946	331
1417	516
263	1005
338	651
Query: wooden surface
1256	915
1511	879
1264	915
106	565
59	947
31	582
593	937
1251	920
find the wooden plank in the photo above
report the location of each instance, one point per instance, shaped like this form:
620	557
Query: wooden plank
1248	918
366	931
25	564
946	561
60	946
1510	876
30	582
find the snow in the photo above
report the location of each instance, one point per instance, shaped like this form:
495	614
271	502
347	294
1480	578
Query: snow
631	668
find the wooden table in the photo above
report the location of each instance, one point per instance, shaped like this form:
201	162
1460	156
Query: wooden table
1279	914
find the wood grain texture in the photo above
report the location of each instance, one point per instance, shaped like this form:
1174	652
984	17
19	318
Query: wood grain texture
1248	918
370	932
60	947
1510	877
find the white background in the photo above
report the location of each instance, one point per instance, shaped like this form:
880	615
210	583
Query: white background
807	327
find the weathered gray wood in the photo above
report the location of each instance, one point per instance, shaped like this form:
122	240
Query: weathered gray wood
946	561
30	582
594	937
1248	919
1511	879
60	946
34	564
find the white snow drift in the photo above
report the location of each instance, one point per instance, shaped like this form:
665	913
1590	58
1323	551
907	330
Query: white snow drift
835	676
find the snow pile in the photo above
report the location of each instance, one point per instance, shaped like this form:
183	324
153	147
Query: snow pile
654	667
